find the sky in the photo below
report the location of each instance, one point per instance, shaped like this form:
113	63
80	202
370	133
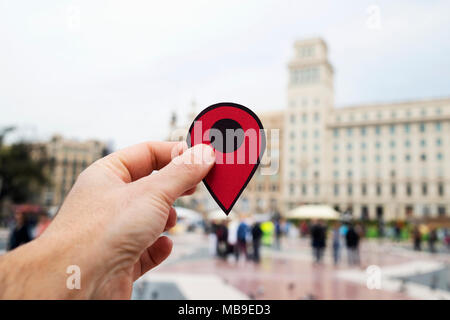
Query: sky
116	70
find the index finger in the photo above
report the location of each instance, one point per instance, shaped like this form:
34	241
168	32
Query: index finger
135	162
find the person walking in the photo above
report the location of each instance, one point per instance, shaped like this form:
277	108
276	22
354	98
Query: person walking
352	241
417	239
278	234
432	239
318	237
232	239
256	241
336	243
20	232
241	246
222	240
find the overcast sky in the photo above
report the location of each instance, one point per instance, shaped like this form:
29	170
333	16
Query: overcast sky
115	70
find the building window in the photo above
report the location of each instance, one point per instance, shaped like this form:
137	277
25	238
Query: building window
439	156
393	189
336	132
349	173
363	145
424	189
377	158
336	189
363	159
336	173
423	143
392	129
304	118
363	189
392	144
316	189
378	189
349	146
438	142
407	143
423	157
407	158
377	130
350	189
408	189
292	188
336	160
349	132
363	131
422	127
392	157
316	117
438	126
304	189
407	127
441	189
377	145
292	118
336	147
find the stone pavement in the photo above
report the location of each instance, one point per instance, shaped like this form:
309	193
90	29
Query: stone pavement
291	274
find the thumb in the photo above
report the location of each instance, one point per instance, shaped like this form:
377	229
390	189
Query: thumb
183	173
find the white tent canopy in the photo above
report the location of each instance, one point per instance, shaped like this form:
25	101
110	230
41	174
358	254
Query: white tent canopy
313	212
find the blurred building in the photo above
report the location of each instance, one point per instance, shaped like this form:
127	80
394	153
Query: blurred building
377	161
67	158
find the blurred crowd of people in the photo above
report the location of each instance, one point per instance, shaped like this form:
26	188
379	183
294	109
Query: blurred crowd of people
237	238
25	227
345	234
240	238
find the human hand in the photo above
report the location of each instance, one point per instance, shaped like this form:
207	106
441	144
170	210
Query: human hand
111	221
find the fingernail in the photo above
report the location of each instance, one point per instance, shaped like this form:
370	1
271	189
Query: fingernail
203	154
209	155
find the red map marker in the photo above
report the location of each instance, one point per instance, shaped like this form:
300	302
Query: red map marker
239	141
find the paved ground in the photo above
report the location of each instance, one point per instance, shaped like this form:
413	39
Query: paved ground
291	274
192	273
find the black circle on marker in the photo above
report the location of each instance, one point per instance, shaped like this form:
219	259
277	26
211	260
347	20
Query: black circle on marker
231	135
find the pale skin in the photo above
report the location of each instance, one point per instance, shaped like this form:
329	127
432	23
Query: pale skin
109	225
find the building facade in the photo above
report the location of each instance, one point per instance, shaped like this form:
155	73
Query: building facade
66	159
379	161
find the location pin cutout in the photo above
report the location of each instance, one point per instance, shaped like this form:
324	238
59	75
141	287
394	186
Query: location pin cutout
239	142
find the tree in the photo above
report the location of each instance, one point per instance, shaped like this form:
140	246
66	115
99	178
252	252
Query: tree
21	175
